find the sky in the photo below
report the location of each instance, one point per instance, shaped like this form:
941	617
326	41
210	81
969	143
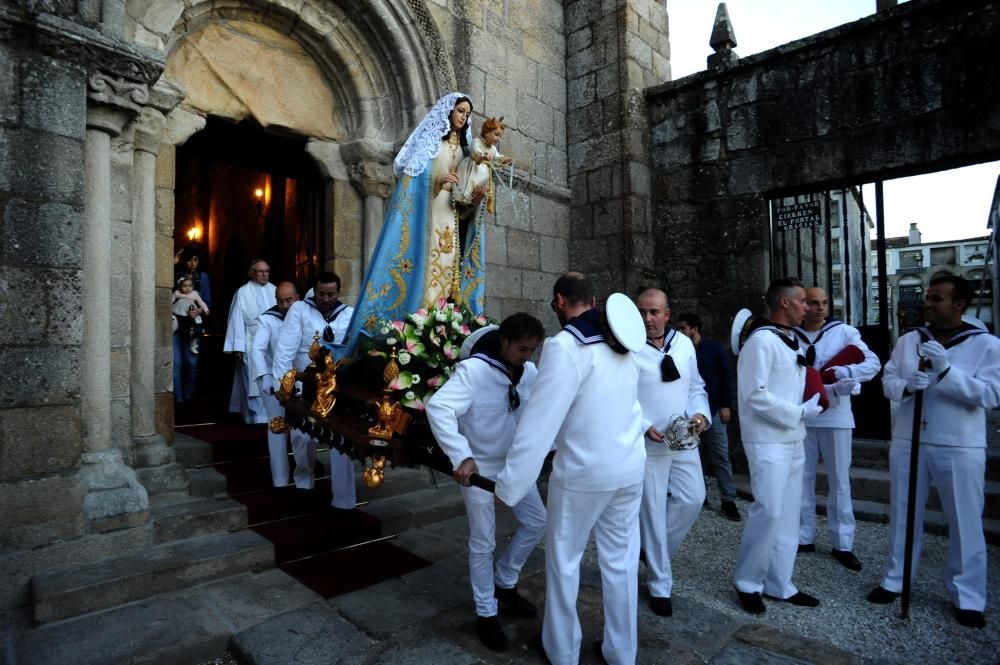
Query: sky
946	206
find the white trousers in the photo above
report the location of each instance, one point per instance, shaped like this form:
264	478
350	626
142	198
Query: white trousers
530	514
959	476
614	518
342	485
664	520
834	445
770	535
277	444
250	407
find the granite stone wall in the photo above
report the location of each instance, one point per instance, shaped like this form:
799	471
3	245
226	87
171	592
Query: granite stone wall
906	91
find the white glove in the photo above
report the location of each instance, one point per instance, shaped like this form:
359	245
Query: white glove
845	386
266	384
811	409
917	381
841	373
936	354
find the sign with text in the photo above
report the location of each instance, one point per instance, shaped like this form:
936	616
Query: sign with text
799	215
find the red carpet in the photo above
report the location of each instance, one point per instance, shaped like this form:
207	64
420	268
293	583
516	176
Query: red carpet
300	524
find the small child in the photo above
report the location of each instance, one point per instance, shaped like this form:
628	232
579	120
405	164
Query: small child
187	300
475	171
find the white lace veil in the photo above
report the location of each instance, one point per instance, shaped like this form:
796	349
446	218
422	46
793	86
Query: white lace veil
425	141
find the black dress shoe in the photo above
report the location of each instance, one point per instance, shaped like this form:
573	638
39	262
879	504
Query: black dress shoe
881	596
847	559
661	606
491	633
970	618
730	512
799	600
515	602
751	602
807	547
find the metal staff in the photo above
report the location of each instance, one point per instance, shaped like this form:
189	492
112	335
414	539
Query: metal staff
911	495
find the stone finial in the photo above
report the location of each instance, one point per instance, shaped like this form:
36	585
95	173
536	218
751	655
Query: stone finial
723	39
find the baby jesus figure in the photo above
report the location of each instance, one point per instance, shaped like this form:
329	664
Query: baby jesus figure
475	172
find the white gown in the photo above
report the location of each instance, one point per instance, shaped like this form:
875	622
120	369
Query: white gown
249	302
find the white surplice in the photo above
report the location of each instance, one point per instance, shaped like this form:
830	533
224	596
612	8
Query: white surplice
249	302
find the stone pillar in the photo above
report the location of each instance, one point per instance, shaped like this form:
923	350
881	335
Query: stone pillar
115	498
154	459
370	165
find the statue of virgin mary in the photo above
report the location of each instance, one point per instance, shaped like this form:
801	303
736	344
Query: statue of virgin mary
429	248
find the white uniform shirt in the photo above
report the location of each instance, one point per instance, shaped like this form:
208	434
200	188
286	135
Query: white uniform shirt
954	407
828	341
585	401
770	385
470	414
250	300
301	324
661	401
265	343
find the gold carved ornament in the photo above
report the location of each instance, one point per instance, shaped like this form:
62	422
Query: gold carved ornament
326	386
286	387
279	425
314	350
374	475
390	417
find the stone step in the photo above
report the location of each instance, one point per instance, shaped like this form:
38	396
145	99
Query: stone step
873	485
162	568
194	516
874	454
878	512
206	482
417	508
189	626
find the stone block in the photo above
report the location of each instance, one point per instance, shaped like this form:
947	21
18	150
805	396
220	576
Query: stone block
166	167
10	87
121	191
552	88
22	318
164	261
496	245
536	285
506	282
513	209
54	96
163	212
557	166
120	371
541	166
501	100
549	217
303	636
554	254
534	118
44	375
64	307
581	91
522	249
581	13
54	171
37	441
38	511
547	52
578	40
523	73
164	414
6	160
42	234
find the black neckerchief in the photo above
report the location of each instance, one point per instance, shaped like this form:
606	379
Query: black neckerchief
274	311
586	328
668	338
801	333
958	335
790	342
332	315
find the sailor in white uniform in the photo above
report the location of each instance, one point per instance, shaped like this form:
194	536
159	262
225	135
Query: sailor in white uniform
828	435
770	386
673	490
473	417
326	315
265	343
960	377
586	404
254	297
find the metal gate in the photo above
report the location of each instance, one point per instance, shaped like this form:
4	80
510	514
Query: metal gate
825	239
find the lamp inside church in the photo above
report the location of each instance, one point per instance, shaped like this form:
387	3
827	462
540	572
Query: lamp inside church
194	233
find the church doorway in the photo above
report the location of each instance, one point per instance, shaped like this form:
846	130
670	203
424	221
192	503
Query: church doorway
243	193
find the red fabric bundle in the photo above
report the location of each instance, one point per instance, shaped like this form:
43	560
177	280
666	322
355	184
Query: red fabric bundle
849	355
814	386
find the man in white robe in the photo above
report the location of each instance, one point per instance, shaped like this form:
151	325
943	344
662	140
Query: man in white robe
325	315
254	297
957	365
771	377
673	490
585	404
265	343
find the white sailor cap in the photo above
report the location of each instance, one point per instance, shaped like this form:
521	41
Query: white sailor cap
742	325
474	337
624	322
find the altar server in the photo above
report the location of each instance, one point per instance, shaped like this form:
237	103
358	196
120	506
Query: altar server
586	404
254	297
672	395
325	315
265	344
473	417
771	379
829	435
960	377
